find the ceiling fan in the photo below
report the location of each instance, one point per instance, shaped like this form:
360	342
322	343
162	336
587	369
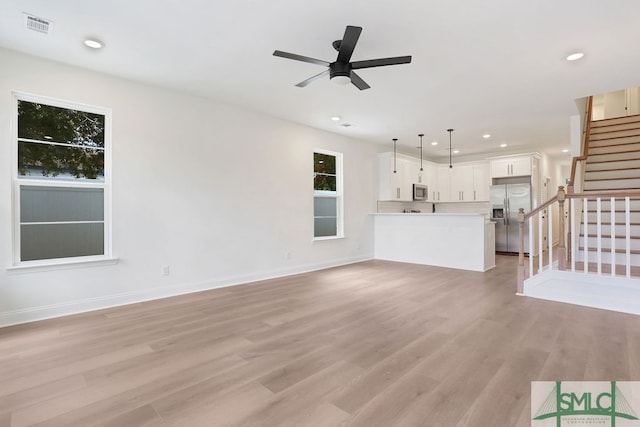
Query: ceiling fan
341	71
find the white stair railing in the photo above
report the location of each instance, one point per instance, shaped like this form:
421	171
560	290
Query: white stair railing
582	231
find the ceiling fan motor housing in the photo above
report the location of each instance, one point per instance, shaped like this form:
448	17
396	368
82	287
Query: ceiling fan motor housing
342	69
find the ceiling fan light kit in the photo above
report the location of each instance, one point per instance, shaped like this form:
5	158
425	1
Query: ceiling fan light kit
341	71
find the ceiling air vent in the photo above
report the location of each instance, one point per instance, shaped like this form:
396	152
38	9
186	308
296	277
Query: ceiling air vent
37	24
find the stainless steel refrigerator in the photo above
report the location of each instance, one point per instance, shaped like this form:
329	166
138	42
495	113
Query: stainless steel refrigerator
505	201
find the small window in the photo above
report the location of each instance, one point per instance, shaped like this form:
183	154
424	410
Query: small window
327	188
61	182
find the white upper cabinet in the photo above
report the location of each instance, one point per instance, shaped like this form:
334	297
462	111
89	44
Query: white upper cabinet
481	182
443	184
397	185
414	174
465	182
430	179
469	182
461	183
511	166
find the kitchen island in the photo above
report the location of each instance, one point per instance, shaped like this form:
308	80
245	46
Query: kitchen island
463	241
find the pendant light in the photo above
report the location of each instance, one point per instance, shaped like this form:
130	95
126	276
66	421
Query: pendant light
395	141
421	135
450	162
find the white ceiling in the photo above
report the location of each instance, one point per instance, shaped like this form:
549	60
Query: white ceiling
480	66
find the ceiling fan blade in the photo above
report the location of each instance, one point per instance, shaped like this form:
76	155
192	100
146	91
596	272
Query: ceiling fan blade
348	43
380	62
300	58
358	82
312	79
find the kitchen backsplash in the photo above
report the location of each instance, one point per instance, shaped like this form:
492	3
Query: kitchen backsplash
399	207
462	207
426	207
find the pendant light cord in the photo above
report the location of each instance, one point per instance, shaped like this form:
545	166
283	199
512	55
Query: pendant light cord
395	140
421	135
450	162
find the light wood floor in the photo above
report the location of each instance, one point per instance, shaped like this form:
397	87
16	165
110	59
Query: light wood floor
371	344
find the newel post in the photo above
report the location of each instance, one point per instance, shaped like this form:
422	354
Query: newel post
520	284
562	249
569	219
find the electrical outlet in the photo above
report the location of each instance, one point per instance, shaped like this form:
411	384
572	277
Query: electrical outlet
287	255
165	270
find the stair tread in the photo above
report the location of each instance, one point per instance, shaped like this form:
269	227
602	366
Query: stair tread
592	210
618	251
608	236
617	223
618	178
598	190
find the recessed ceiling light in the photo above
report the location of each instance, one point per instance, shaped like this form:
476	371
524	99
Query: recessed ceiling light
575	56
486	136
336	118
434	143
94	43
456	151
503	145
566	150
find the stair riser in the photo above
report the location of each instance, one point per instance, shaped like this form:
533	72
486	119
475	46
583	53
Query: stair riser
614	148
616	129
594	158
619	205
618	184
619	230
614	122
605	216
620	259
621	243
612	174
613	166
605	141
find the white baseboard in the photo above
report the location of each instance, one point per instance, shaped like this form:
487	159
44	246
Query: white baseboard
108	301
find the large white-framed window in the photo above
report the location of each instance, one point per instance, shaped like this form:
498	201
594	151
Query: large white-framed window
61	181
327	195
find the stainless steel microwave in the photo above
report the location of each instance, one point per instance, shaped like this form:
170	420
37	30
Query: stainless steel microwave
420	192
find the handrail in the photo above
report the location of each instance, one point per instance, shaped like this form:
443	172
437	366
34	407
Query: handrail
587	130
585	141
545	205
574	166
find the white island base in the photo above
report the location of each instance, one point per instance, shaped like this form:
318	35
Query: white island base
463	241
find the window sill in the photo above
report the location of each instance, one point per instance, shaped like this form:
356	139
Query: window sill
40	266
316	239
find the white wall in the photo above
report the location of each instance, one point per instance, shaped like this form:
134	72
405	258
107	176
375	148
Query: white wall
219	194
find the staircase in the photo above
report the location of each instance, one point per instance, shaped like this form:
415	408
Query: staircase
613	161
599	217
613	164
